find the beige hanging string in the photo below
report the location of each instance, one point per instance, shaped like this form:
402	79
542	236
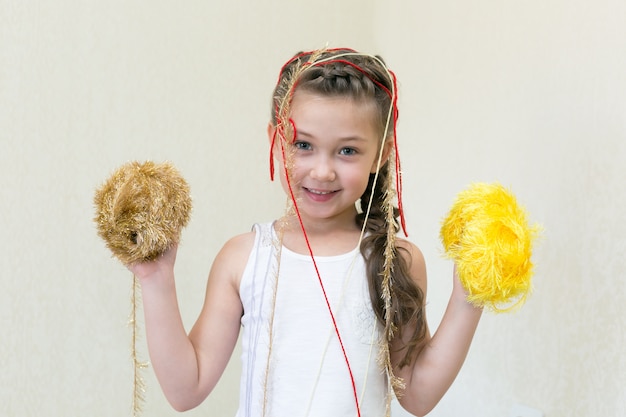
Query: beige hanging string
139	384
285	132
140	212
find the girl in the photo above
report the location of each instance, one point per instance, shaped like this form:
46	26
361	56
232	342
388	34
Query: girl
331	304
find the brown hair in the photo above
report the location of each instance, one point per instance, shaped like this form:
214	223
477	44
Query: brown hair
364	78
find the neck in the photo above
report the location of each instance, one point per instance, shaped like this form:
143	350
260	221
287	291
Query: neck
325	238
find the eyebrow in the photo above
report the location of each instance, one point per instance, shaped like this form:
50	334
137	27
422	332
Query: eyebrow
342	139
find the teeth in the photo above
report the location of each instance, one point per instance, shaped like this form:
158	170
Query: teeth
319	192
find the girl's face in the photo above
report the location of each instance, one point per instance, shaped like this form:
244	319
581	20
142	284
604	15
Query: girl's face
335	149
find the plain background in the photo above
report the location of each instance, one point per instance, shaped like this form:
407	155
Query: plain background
527	93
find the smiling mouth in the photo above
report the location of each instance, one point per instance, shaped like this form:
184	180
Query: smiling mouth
319	192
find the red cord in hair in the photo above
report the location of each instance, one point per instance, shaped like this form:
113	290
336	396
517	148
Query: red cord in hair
394	105
319	277
395	144
279	130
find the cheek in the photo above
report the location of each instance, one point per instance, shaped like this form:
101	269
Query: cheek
295	177
284	184
298	168
358	179
283	178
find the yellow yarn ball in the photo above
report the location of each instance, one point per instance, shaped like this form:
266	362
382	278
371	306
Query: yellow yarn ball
141	210
486	233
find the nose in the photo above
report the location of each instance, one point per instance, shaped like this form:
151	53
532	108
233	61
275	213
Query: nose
323	170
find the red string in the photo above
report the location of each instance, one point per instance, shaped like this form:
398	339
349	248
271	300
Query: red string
272	154
301	54
394	105
395	144
319	277
279	130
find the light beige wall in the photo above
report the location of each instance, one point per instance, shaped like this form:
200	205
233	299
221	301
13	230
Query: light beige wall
86	86
531	94
527	93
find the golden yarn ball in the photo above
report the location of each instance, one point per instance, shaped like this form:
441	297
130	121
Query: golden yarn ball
141	210
487	234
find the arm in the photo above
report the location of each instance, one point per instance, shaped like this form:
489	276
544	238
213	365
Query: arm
436	366
189	366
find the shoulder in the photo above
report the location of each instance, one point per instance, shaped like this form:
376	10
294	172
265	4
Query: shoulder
231	260
415	262
237	248
239	245
411	253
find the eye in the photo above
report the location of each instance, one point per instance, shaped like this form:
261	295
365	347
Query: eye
302	145
348	151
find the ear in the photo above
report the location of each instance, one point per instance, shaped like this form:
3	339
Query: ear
387	147
275	145
271	129
273	139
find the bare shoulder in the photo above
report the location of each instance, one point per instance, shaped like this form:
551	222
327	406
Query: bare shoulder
411	249
238	246
414	260
232	258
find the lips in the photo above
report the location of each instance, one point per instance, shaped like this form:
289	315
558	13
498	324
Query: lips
320	195
318	192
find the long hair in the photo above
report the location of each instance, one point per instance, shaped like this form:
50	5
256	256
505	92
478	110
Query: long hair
399	303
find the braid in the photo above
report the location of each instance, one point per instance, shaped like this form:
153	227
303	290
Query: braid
351	76
339	79
407	299
344	72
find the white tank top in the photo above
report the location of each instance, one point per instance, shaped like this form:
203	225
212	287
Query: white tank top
307	375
